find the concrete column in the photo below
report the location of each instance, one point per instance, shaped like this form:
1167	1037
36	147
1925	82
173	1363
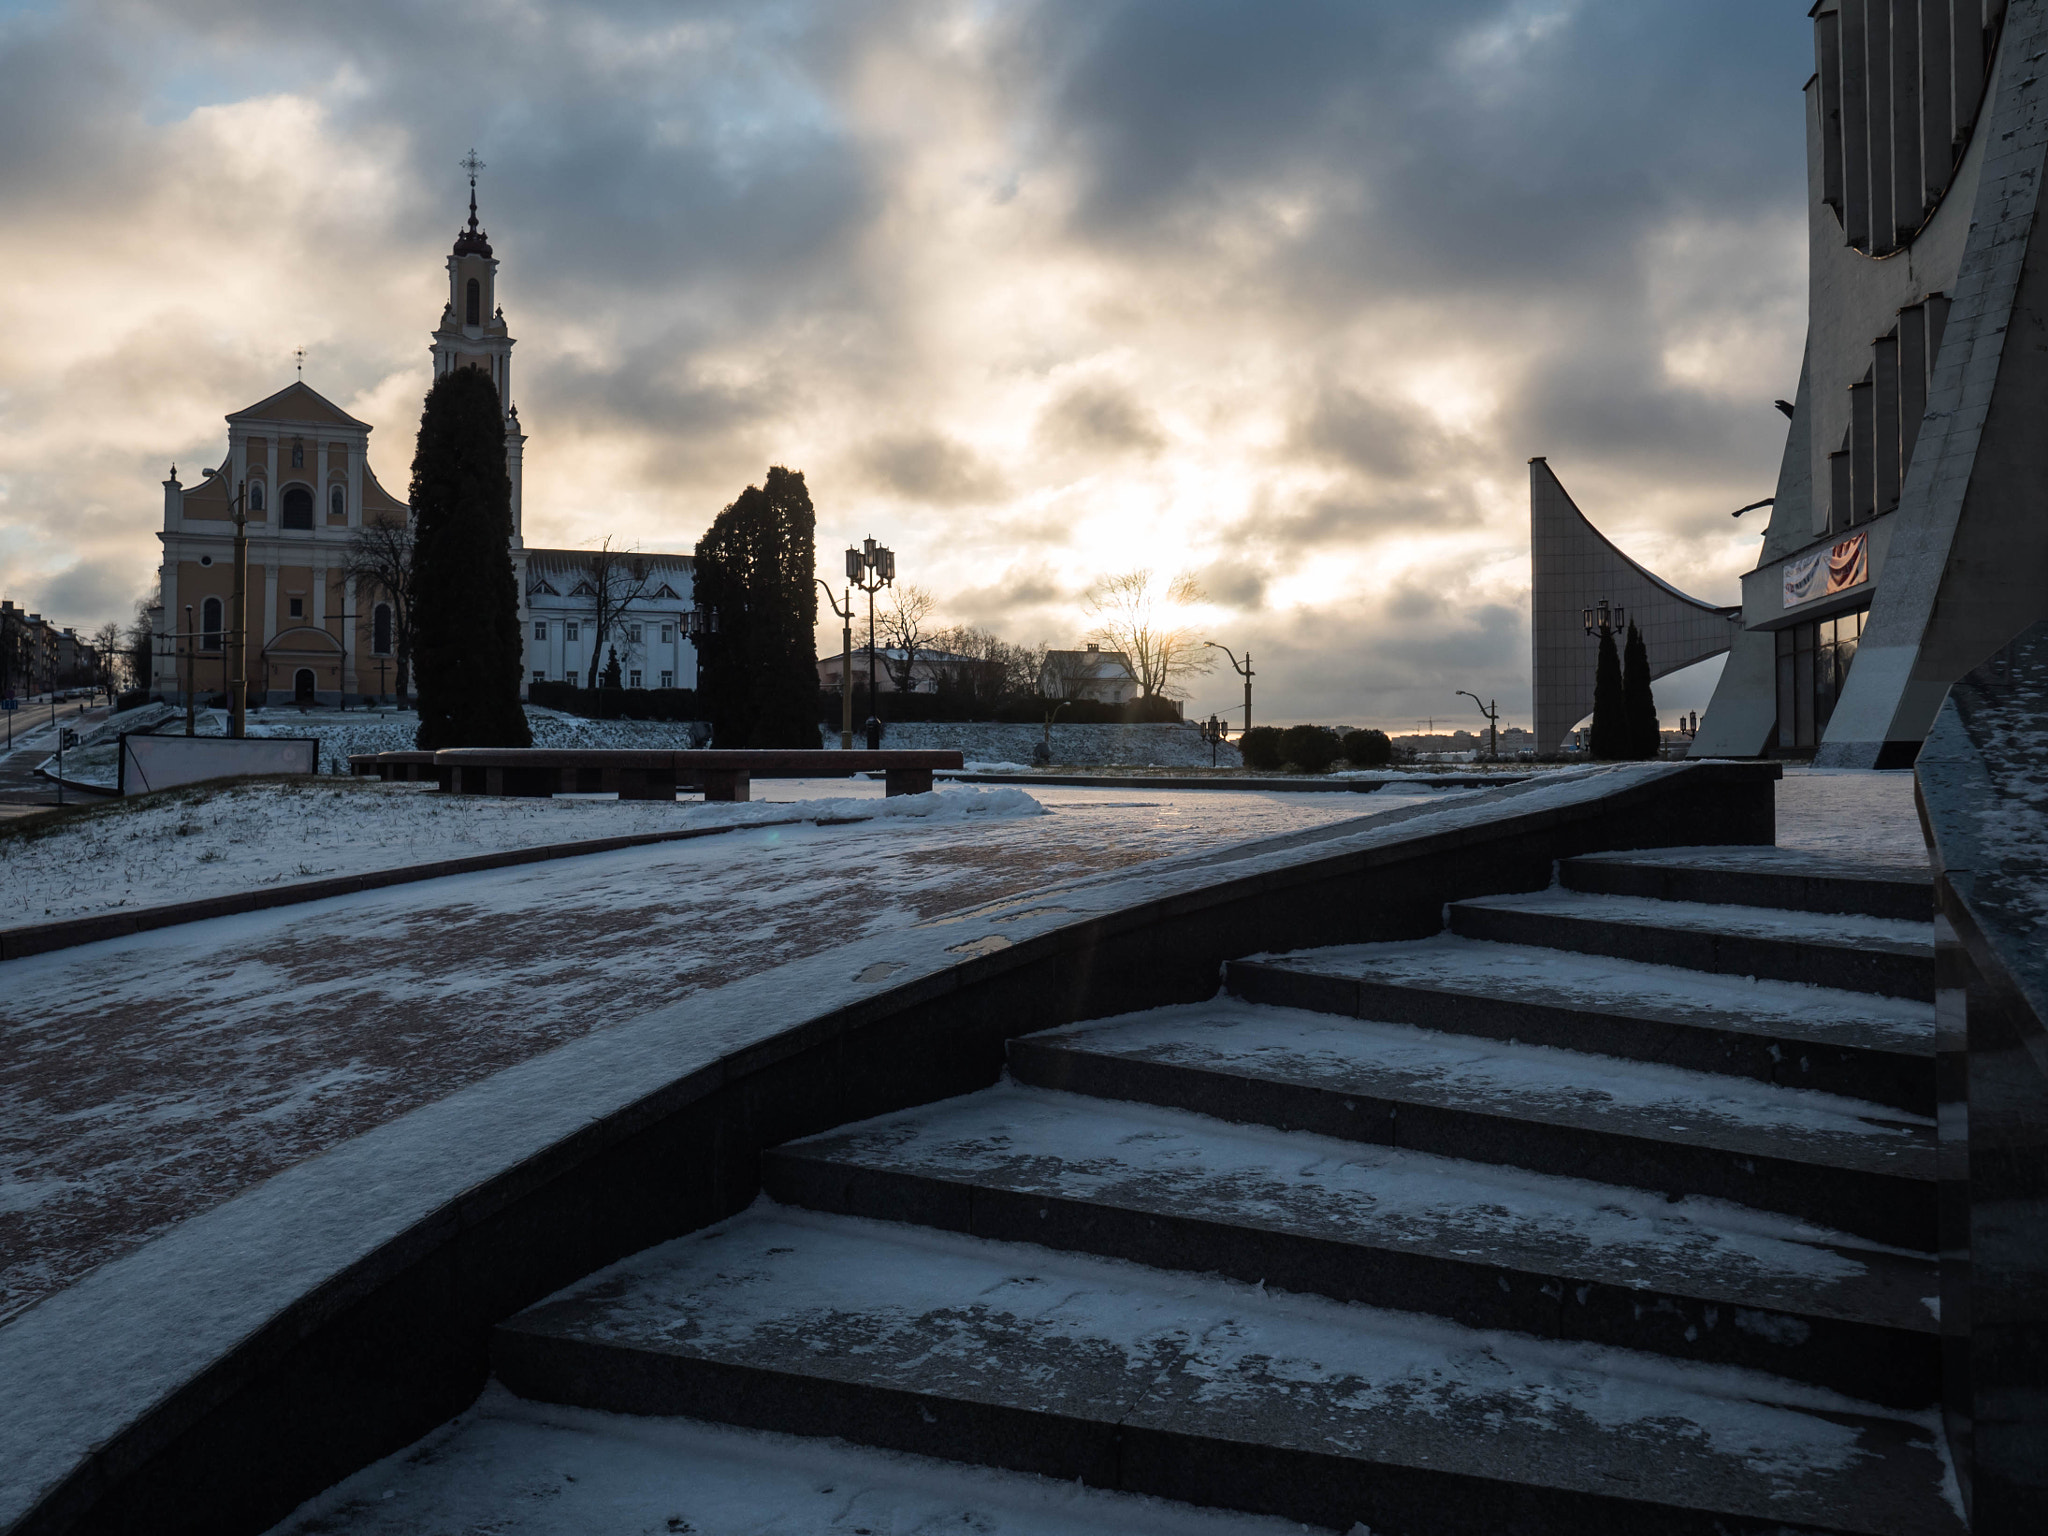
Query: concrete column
1966	63
1937	326
1937	97
353	640
1827	62
1912	380
1908	197
1877	75
320	484
1862	450
358	455
1855	126
1841	493
1885	433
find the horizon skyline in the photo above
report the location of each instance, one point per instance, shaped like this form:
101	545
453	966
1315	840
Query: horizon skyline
1030	294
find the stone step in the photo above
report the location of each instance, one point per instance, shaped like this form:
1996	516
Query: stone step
1790	879
1853	953
1207	1390
1794	1034
1837	1162
1481	1245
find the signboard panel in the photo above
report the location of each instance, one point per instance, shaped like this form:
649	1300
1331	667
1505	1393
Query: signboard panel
165	762
1828	571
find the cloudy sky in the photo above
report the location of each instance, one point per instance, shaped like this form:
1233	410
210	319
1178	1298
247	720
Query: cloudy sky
1282	292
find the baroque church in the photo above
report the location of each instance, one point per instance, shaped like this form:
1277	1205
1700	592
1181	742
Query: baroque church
319	636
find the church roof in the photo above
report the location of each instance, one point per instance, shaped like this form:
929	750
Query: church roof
297	402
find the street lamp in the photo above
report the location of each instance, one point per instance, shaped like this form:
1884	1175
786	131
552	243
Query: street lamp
845	663
1492	713
871	568
1244	671
1601	621
1214	732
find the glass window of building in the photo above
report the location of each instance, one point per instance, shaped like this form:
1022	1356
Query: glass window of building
1813	664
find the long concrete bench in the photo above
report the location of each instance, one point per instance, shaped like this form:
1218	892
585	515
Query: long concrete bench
393	766
634	775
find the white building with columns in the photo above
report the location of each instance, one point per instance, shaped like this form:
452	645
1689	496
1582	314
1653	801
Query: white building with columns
302	463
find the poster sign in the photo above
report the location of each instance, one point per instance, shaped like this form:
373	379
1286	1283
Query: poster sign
1828	571
164	762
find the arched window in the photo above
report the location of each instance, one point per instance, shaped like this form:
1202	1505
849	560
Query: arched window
476	302
380	629
209	624
256	497
298	507
337	501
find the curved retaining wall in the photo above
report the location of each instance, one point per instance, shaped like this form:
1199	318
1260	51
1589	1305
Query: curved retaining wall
221	1374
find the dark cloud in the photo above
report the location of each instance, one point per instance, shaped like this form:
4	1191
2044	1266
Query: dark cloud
930	467
1097	418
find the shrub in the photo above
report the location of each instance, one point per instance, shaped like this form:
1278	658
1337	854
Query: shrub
1368	749
616	703
1310	748
1260	747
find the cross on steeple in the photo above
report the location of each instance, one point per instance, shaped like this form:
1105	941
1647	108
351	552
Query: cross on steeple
471	164
300	354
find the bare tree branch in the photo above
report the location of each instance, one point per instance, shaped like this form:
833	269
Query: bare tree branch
380	558
1135	613
617	579
902	624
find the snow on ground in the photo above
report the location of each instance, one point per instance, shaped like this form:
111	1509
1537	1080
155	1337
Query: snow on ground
147	1079
184	845
535	1469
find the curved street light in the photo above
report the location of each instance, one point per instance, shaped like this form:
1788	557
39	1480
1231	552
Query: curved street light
1244	671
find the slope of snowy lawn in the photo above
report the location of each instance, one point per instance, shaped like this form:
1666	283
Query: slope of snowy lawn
209	841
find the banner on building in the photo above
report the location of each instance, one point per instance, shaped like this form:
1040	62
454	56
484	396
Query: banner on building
164	762
1827	571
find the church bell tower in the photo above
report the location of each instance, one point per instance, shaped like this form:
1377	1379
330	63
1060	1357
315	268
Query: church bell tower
472	332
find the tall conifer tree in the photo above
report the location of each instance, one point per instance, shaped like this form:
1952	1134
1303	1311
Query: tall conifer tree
1638	704
1610	733
466	650
757	677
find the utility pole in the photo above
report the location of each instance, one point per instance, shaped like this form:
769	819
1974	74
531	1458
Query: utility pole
845	664
238	685
1244	671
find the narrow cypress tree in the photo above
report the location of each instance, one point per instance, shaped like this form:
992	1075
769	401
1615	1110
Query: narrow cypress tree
757	677
1638	704
466	651
613	677
1610	735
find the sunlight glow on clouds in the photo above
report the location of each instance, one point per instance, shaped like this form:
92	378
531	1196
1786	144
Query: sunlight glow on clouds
1031	290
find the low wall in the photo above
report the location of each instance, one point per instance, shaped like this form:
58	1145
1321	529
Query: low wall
1982	789
1134	746
149	763
217	1377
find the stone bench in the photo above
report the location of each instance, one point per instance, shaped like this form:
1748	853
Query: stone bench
637	775
394	766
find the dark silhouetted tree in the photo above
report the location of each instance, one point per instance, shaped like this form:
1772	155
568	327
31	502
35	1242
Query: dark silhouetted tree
1638	704
466	643
613	676
757	676
1610	727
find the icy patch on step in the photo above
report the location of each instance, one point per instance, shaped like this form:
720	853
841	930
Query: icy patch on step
1075	1147
1714	917
1499	1077
1561	977
536	1469
908	1299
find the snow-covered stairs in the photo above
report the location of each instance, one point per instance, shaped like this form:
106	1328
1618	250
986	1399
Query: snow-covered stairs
1442	1236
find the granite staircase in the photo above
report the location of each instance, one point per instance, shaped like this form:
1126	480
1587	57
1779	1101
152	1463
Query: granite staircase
1609	1209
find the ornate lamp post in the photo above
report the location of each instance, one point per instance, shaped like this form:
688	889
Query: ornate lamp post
1601	621
1244	671
871	568
1214	732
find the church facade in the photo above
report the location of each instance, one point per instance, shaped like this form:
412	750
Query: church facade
317	635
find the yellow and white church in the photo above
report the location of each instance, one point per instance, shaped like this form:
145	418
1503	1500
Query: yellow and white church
303	465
